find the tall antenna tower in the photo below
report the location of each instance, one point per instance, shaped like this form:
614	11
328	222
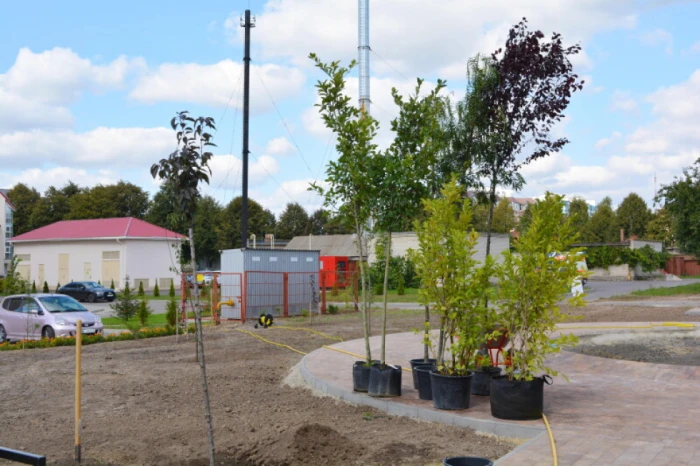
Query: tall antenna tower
363	52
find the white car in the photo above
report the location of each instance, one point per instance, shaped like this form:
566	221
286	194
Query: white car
36	316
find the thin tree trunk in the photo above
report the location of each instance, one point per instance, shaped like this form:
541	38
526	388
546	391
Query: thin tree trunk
492	200
365	310
426	356
200	356
387	257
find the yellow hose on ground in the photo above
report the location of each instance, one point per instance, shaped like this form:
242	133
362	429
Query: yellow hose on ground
663	324
551	441
270	342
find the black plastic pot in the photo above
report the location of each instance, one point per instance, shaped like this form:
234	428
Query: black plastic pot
384	380
481	380
467	461
360	375
422	373
518	400
451	392
419	362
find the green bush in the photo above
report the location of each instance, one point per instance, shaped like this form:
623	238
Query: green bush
171	293
46	288
605	256
304	313
156	290
58	285
144	313
2	286
126	287
141	291
378	288
111	285
333	309
399	267
400	290
171	314
33	287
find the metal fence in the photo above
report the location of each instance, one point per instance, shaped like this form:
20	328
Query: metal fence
282	294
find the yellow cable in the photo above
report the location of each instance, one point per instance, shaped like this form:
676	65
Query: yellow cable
664	324
270	342
551	441
330	337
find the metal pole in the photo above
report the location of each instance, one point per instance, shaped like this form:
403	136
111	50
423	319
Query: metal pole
247	24
78	394
363	53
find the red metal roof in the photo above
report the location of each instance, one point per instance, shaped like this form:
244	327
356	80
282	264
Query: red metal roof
127	227
7	199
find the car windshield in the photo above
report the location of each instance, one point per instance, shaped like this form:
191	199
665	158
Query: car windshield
92	284
55	304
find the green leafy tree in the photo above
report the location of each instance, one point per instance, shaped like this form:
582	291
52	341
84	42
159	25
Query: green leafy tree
681	199
318	221
480	216
260	222
350	176
207	229
338	225
530	290
163	211
24	199
141	291
633	215
118	200
602	226
503	217
54	206
171	314
171	293
294	221
156	290
660	227
578	211
452	280
525	220
185	169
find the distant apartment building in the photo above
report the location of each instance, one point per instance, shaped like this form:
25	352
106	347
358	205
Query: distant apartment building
519	204
592	205
6	221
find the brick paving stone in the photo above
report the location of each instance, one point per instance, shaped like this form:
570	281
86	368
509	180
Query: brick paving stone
612	412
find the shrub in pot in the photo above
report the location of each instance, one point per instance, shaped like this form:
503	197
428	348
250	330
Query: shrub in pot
481	380
457	284
531	284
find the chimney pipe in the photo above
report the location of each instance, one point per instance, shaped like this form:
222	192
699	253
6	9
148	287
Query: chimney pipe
622	235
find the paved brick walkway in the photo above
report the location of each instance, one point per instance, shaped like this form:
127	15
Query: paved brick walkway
610	413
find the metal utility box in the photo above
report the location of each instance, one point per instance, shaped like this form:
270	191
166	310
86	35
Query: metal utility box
280	282
336	271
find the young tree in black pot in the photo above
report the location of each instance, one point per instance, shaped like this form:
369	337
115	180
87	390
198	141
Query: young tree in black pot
532	281
459	286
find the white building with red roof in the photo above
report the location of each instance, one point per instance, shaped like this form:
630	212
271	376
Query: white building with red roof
6	215
100	249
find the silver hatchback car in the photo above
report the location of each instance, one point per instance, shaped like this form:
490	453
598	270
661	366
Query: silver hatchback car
35	316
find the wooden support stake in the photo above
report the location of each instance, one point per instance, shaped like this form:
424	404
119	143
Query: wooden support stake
78	391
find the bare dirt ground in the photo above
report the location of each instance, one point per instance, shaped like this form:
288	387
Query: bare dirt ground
603	311
142	404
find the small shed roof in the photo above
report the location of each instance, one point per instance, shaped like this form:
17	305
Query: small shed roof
125	227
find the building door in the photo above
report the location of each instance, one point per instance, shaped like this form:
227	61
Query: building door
63	269
110	268
41	276
87	271
23	271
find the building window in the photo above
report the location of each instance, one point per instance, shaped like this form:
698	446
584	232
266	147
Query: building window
110	255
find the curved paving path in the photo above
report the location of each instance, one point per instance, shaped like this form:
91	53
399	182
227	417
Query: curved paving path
610	413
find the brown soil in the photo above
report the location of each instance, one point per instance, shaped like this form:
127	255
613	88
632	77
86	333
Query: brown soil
142	404
601	312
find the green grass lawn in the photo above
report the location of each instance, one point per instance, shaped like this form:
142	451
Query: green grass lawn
693	288
345	296
155	320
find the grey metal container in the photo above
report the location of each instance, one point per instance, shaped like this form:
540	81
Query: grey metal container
264	272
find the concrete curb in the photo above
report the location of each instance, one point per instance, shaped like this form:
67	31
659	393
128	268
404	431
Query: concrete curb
498	428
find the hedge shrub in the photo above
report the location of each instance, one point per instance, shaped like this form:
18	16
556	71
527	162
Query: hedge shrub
605	256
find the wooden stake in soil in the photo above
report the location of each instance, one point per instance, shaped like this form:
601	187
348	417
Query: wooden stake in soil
78	394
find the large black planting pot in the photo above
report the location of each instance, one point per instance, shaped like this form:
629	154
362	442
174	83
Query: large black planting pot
419	362
467	461
384	380
518	400
360	375
422	373
451	392
481	380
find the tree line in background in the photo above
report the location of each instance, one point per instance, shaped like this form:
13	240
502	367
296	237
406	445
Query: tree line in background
216	226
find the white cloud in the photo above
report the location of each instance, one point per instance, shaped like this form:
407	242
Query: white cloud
695	48
101	146
589	85
623	102
606	141
290	191
409	36
36	90
218	85
279	146
546	165
658	37
58	176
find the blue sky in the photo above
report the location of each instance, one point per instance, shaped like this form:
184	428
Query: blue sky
87	88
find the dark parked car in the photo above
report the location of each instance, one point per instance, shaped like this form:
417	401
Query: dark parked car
87	291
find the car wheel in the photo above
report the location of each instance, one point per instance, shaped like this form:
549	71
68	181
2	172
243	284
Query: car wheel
109	300
3	334
48	332
91	298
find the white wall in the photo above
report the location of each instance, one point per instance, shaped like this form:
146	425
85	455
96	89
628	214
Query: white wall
138	258
402	242
657	246
152	260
